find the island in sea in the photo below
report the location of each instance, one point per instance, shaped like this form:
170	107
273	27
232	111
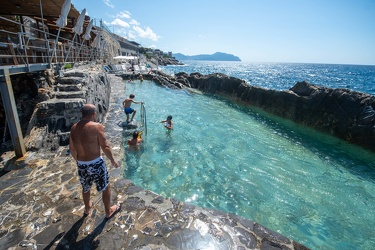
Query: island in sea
218	56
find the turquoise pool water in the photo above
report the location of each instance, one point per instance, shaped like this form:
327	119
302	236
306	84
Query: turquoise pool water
308	186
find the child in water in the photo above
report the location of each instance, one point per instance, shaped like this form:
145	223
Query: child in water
136	140
168	124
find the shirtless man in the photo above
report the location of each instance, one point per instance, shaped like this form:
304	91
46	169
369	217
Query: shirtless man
86	139
127	109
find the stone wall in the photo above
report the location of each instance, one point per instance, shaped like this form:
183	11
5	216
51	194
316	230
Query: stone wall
28	89
52	119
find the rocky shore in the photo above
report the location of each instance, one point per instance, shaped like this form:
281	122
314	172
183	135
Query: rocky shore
40	195
343	113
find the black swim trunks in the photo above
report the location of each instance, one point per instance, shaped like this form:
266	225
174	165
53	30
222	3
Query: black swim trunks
93	171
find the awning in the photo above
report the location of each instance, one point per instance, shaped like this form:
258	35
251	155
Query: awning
125	57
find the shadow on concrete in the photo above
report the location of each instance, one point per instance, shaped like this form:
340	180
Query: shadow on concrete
69	239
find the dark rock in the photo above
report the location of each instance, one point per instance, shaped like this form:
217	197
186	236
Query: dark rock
134	203
265	233
9	239
246	238
168	228
298	246
267	245
122	183
248	224
66	177
158	200
133	189
304	88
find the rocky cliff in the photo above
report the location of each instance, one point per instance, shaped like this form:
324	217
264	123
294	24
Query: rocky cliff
343	113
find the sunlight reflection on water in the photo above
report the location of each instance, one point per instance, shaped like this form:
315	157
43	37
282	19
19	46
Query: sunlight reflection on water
282	76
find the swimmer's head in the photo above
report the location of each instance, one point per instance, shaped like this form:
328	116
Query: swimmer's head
135	135
169	118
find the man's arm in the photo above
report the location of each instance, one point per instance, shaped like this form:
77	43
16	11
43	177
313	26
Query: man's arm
72	148
104	145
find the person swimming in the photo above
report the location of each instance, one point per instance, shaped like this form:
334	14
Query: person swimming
136	139
168	124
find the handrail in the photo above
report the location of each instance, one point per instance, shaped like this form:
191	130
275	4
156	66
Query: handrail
26	48
143	118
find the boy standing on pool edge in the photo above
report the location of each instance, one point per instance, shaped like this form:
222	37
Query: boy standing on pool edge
127	109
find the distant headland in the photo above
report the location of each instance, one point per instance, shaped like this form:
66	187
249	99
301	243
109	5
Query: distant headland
218	56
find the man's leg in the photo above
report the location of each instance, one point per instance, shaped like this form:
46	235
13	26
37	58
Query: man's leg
86	201
127	117
106	196
135	111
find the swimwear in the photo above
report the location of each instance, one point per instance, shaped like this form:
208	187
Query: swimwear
93	171
128	110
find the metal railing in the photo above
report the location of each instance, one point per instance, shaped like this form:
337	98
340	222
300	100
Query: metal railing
26	48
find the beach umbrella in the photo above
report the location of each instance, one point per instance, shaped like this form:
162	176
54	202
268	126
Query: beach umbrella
78	29
94	46
86	36
88	30
61	22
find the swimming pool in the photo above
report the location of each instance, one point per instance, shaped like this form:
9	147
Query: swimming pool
308	186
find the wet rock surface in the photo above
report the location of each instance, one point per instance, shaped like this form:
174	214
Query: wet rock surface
41	207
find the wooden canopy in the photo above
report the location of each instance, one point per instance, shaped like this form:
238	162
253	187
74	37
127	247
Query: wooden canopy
51	8
51	11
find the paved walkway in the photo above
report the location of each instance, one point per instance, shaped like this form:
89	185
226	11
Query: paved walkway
41	208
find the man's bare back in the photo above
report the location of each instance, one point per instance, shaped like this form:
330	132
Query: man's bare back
84	135
86	139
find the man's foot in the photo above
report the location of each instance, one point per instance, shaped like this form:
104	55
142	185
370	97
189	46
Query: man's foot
113	210
86	212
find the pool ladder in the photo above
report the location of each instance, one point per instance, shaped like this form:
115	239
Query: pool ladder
143	119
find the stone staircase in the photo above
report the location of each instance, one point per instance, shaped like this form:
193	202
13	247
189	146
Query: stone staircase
53	118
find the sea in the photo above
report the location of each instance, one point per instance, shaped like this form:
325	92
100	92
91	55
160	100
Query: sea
283	76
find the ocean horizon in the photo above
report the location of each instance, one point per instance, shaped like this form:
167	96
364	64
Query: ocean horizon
283	76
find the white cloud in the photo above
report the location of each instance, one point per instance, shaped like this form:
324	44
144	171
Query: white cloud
131	29
134	22
120	23
108	3
147	33
124	14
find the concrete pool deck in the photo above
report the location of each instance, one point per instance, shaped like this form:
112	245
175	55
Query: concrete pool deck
42	208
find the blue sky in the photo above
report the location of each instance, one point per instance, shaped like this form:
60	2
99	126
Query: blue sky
304	31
